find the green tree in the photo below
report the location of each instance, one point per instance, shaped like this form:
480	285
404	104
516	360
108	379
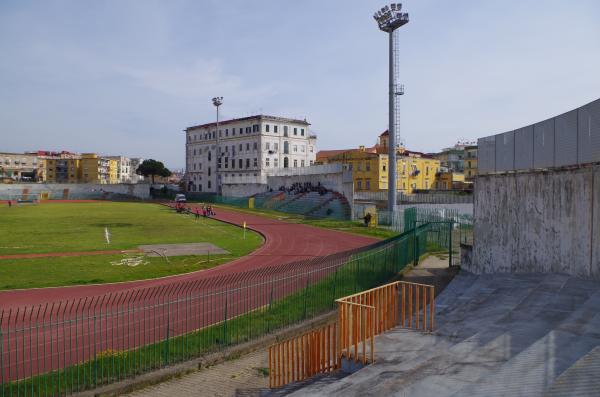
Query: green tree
152	168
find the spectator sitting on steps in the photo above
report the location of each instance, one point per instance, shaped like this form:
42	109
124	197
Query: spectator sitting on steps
367	219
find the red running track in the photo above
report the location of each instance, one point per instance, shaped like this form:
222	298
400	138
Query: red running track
284	243
293	245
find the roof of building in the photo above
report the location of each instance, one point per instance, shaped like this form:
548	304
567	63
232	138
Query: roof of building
258	117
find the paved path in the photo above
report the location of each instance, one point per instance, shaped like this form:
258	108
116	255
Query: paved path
226	379
284	243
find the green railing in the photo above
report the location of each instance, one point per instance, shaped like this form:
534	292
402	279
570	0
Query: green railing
80	345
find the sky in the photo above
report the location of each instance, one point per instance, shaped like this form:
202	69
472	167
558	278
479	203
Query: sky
127	77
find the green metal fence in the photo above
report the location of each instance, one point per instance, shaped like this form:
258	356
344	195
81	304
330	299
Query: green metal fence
79	345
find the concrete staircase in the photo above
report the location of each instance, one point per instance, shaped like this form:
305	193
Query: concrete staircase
496	335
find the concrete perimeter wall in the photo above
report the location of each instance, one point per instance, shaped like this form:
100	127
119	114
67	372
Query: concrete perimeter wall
546	221
77	191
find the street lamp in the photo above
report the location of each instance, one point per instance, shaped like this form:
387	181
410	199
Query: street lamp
218	101
390	18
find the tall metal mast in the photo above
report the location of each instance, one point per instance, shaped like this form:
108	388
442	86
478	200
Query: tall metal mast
390	18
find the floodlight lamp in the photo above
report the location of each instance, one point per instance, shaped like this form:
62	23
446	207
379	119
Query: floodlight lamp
393	6
217	101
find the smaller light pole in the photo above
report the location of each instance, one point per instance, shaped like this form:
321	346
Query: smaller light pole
218	101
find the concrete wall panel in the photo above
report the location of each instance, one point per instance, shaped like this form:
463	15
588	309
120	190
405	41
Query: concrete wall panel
505	151
595	240
524	148
486	155
543	144
589	133
537	222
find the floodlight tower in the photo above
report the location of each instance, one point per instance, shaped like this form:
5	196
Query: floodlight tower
390	18
218	101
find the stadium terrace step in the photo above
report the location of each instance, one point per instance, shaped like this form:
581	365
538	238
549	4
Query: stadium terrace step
497	335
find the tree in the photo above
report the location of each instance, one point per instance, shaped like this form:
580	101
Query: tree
152	168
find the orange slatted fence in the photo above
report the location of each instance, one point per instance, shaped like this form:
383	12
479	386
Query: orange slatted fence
304	356
361	317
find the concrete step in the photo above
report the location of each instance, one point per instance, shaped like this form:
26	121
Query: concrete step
579	380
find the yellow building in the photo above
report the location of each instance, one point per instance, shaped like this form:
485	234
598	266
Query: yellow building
95	169
414	170
113	174
470	162
450	181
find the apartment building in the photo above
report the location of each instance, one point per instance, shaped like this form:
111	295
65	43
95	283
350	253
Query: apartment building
96	169
126	168
18	166
245	147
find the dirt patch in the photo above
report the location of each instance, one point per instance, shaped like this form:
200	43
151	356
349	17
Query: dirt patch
182	249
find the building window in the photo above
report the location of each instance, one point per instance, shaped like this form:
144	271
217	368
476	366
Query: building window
275	129
276	146
301	163
209	171
368	166
295	148
255	128
383	167
266	127
209	184
255	162
233	132
255	146
295	131
302	131
247	146
286	147
209	156
241	163
295	163
285	130
232	164
226	131
359	166
267	162
247	163
286	162
267	146
302	148
241	147
359	185
275	162
368	184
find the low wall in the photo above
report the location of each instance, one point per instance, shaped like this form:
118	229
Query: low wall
538	222
77	191
243	189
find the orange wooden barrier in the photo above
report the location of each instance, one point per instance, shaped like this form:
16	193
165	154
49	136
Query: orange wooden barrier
304	356
361	317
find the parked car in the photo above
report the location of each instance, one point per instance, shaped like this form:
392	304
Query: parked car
180	198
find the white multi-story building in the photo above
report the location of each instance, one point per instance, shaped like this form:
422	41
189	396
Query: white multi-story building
245	147
126	168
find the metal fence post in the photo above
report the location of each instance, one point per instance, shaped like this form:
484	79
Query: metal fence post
415	247
166	349
305	294
451	226
225	321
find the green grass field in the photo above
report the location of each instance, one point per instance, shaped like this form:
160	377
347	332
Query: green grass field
64	227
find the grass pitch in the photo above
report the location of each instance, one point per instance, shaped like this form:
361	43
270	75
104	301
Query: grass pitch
65	227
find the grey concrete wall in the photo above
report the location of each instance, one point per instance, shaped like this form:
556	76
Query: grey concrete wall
538	222
78	190
243	189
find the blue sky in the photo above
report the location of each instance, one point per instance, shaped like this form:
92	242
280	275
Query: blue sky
126	77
